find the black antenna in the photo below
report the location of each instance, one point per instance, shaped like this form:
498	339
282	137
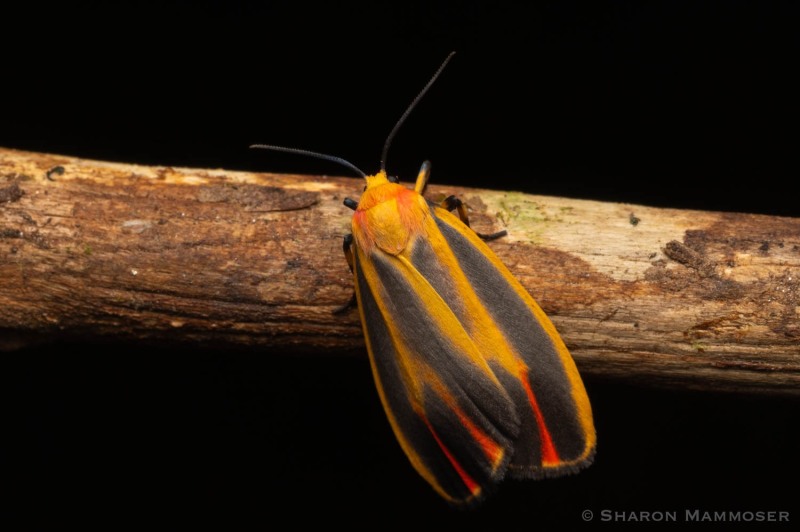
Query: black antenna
410	108
322	156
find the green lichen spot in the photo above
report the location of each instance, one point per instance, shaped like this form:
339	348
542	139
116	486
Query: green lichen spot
700	347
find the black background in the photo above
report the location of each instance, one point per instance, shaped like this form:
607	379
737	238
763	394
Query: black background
678	104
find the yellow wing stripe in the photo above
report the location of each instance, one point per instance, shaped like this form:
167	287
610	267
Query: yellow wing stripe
581	399
416	374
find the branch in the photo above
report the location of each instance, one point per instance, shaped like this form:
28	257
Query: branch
123	252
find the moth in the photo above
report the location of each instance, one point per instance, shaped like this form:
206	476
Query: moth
475	380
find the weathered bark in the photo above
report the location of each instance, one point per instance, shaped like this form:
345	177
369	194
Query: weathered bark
123	252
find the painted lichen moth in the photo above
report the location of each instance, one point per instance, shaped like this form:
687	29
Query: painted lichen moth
474	379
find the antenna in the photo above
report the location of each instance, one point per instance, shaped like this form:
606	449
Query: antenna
309	153
410	108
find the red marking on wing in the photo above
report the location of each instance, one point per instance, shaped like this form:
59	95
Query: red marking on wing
471	485
489	447
549	453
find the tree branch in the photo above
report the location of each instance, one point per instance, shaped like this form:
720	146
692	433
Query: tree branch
123	252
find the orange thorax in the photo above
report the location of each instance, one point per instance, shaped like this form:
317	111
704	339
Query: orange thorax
388	216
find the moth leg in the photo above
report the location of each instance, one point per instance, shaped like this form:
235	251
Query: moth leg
491	236
347	243
452	203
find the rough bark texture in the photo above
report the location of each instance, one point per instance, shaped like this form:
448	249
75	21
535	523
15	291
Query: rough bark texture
123	252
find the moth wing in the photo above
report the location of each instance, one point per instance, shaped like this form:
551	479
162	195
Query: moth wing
451	415
528	356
